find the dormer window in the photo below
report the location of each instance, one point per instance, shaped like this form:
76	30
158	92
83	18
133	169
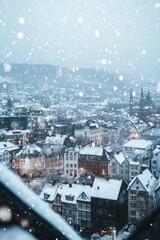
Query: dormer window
69	198
46	196
84	196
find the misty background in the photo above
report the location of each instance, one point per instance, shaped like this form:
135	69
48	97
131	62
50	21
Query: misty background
120	36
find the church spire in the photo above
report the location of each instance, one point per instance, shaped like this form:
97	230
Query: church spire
131	95
142	96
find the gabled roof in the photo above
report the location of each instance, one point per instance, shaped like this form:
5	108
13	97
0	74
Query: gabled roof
74	190
147	179
30	149
119	157
88	197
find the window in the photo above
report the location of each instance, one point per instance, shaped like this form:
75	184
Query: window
46	196
69	198
132	192
83	196
133	198
133	213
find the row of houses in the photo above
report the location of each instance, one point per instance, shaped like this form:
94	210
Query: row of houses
87	207
134	156
105	205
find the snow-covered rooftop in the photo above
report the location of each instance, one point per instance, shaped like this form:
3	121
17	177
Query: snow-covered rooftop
29	150
56	140
147	179
96	151
138	143
8	146
64	190
106	189
119	157
16	132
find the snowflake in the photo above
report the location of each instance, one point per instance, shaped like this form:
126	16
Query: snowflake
21	20
97	33
81	94
157	5
80	20
104	61
121	78
20	35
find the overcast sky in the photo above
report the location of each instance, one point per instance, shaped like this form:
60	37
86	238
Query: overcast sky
119	35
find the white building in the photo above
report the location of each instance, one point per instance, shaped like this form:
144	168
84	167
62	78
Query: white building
7	149
71	162
155	162
134	169
131	146
141	196
118	167
29	160
92	134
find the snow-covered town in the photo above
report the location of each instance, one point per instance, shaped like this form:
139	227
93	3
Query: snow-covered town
79	131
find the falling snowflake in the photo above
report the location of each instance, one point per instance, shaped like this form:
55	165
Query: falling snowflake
121	78
20	35
80	20
157	5
5	214
104	61
21	20
81	94
134	93
97	33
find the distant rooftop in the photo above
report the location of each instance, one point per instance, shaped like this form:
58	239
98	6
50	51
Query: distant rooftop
96	151
138	143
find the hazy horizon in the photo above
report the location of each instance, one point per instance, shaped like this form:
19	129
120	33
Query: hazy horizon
118	36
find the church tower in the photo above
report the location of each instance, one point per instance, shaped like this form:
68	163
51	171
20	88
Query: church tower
142	102
149	101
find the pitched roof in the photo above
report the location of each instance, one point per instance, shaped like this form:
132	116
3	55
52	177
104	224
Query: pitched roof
119	157
147	179
106	189
74	190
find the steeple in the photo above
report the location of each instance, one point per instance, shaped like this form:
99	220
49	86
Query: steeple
142	96
131	95
142	102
